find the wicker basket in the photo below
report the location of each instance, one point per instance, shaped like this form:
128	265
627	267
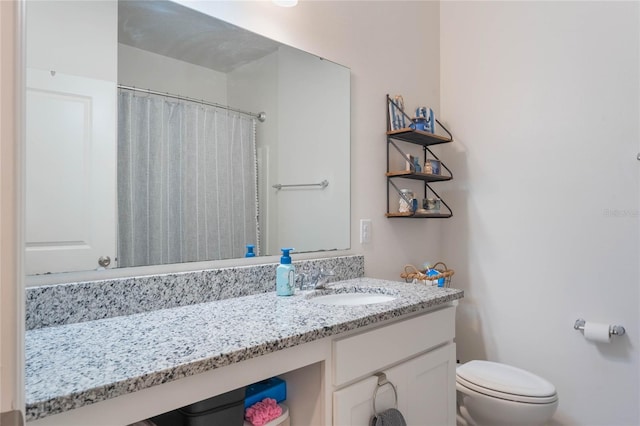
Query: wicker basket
412	273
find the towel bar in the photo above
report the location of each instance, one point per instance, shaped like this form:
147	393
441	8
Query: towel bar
382	381
322	184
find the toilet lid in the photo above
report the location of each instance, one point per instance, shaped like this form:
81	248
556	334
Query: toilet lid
506	379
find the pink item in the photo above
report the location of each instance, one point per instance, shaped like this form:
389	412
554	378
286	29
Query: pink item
263	412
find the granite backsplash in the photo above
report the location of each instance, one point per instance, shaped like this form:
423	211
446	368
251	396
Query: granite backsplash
69	303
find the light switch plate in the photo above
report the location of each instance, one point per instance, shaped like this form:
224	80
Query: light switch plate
365	231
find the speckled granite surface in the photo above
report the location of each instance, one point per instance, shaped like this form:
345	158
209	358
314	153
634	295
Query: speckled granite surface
78	364
86	301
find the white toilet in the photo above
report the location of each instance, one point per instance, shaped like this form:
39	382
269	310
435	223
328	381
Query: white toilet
494	394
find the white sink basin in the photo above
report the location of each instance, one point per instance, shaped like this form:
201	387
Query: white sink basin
352	299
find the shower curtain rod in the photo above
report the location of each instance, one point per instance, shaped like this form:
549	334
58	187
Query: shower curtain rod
261	116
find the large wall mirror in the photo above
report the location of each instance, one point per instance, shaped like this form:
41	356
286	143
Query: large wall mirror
146	142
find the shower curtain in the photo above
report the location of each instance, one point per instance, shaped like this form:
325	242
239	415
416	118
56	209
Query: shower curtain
187	185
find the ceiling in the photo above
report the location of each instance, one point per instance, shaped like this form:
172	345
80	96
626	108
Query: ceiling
172	30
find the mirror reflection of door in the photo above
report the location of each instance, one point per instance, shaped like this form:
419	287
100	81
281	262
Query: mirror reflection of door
70	172
70	129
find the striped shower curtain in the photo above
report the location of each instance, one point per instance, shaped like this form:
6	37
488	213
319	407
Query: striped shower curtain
187	185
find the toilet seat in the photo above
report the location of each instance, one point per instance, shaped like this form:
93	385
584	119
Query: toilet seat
506	396
505	382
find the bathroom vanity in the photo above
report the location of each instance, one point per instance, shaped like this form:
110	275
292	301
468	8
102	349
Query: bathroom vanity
120	370
113	352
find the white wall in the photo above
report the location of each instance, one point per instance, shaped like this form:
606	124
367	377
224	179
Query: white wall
375	39
147	70
254	87
542	98
313	122
88	28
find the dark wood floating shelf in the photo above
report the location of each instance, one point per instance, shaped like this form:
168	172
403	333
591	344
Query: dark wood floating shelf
417	136
426	177
395	115
420	215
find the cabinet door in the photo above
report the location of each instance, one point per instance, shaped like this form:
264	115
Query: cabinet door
426	392
353	405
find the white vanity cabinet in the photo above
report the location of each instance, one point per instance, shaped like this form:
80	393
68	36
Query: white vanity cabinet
417	355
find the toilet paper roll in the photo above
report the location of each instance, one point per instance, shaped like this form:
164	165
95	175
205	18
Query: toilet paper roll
596	332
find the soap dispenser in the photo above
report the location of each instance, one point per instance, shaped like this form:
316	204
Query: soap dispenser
285	275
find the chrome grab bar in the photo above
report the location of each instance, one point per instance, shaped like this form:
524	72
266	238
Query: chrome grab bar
322	184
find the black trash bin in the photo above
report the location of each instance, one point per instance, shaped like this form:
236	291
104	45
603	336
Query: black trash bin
222	410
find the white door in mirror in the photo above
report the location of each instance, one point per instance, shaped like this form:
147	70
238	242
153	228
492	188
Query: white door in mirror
70	172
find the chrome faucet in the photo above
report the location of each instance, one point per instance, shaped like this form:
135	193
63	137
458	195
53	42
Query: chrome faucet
317	280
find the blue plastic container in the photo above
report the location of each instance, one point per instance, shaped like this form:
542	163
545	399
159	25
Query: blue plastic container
271	388
433	272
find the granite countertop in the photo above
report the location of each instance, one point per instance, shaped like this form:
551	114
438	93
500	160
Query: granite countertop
73	365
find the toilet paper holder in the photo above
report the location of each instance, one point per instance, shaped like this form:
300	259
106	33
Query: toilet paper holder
614	330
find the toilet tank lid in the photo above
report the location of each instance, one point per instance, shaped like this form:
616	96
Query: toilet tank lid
505	378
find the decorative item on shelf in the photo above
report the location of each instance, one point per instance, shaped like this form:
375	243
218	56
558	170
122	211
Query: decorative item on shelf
438	274
416	165
431	205
397	118
432	166
407	201
413	164
419	124
424	120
